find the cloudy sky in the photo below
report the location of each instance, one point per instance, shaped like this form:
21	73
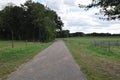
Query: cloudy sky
74	18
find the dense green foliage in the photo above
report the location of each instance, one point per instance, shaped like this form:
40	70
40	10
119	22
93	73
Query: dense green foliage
109	7
63	34
30	21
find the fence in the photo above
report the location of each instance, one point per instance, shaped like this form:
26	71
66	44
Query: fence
109	45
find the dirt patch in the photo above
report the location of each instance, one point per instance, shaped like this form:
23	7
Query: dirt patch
108	68
112	68
2	65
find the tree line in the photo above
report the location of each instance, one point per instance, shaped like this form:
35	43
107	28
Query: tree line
31	21
94	34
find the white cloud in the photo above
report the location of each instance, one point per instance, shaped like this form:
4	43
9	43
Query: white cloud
83	2
5	2
77	19
16	2
74	18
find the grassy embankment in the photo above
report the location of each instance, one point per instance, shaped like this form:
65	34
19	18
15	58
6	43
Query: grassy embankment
12	58
95	62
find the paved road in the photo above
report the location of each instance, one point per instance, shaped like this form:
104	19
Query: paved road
54	63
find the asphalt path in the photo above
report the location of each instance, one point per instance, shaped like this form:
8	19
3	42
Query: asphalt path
53	63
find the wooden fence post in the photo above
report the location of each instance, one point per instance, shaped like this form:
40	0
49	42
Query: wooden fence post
12	39
26	42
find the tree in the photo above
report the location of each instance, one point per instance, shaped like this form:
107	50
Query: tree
1	24
59	23
30	21
1	17
8	21
11	21
17	16
77	34
111	8
65	33
39	13
28	27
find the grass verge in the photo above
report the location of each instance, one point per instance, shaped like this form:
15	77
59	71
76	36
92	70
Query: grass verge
95	63
12	58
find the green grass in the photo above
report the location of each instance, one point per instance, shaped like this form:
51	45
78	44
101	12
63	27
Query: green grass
12	58
96	63
7	44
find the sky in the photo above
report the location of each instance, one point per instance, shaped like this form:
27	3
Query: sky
74	18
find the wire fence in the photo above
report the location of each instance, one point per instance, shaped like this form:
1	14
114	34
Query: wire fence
108	45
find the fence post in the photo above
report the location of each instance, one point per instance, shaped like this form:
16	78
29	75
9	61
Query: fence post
95	43
117	43
101	44
26	42
109	46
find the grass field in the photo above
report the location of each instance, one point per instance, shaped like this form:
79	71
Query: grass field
12	58
96	63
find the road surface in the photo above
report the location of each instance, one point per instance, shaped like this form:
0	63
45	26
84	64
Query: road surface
54	63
